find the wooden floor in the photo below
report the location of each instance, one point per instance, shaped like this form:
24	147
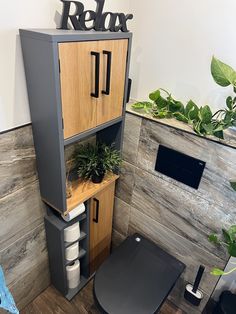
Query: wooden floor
52	302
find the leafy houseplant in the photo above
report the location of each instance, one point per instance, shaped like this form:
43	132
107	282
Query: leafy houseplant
94	161
228	241
202	120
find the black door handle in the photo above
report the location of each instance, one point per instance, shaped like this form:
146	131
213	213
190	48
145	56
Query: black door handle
108	78
97	70
97	210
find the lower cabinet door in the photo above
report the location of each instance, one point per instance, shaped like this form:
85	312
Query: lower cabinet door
101	213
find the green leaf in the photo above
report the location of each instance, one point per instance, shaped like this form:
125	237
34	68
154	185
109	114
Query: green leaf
180	117
222	73
191	110
232	249
142	105
233	184
175	106
226	236
205	114
232	233
155	95
219	134
161	102
229	102
161	114
209	128
213	238
228	117
217	272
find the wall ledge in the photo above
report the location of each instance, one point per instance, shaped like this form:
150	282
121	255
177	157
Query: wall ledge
230	134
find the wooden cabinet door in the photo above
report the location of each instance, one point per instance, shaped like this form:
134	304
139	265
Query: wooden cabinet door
77	67
101	213
110	105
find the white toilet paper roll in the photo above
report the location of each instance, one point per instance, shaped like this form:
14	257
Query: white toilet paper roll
72	252
80	209
73	275
72	233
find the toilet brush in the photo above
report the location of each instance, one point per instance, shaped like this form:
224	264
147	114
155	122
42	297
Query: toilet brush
192	293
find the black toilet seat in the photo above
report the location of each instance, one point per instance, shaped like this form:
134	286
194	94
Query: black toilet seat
136	278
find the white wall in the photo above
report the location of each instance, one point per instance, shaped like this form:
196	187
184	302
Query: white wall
15	14
173	45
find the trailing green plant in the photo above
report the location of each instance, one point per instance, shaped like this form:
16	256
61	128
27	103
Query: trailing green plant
96	160
203	121
228	241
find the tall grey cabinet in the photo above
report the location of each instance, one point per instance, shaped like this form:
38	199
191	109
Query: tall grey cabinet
77	87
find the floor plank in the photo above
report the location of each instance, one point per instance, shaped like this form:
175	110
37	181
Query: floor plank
52	302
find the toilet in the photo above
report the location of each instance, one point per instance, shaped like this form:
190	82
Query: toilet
136	278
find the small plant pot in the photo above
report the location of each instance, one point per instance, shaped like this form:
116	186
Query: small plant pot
97	178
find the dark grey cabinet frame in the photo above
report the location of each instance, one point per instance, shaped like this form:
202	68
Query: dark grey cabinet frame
41	60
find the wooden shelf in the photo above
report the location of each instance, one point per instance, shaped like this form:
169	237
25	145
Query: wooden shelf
84	190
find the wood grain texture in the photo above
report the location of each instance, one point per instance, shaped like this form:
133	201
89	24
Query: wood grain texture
220	165
51	302
27	252
77	77
183	212
22	242
17	162
117	239
100	232
35	280
21	212
110	106
131	138
124	187
121	216
84	189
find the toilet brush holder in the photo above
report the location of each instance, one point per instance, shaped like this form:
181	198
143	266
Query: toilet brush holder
192	294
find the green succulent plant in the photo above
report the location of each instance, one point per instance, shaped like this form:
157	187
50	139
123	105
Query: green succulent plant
96	159
228	241
203	121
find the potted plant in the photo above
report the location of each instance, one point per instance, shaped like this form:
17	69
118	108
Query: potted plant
94	161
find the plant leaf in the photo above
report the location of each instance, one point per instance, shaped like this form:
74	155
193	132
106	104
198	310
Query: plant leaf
142	105
232	233
176	106
209	128
191	110
155	95
226	236
232	249
219	134
217	272
180	117
205	114
229	102
213	238
233	184
222	73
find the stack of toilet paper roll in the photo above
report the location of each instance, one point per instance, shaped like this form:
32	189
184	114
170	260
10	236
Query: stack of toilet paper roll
72	233
73	274
72	252
80	209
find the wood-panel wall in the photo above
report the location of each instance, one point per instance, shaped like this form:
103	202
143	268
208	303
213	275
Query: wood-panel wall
23	253
173	215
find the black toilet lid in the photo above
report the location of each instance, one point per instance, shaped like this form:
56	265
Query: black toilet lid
136	278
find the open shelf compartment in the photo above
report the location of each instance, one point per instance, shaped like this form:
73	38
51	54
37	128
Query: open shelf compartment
84	190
